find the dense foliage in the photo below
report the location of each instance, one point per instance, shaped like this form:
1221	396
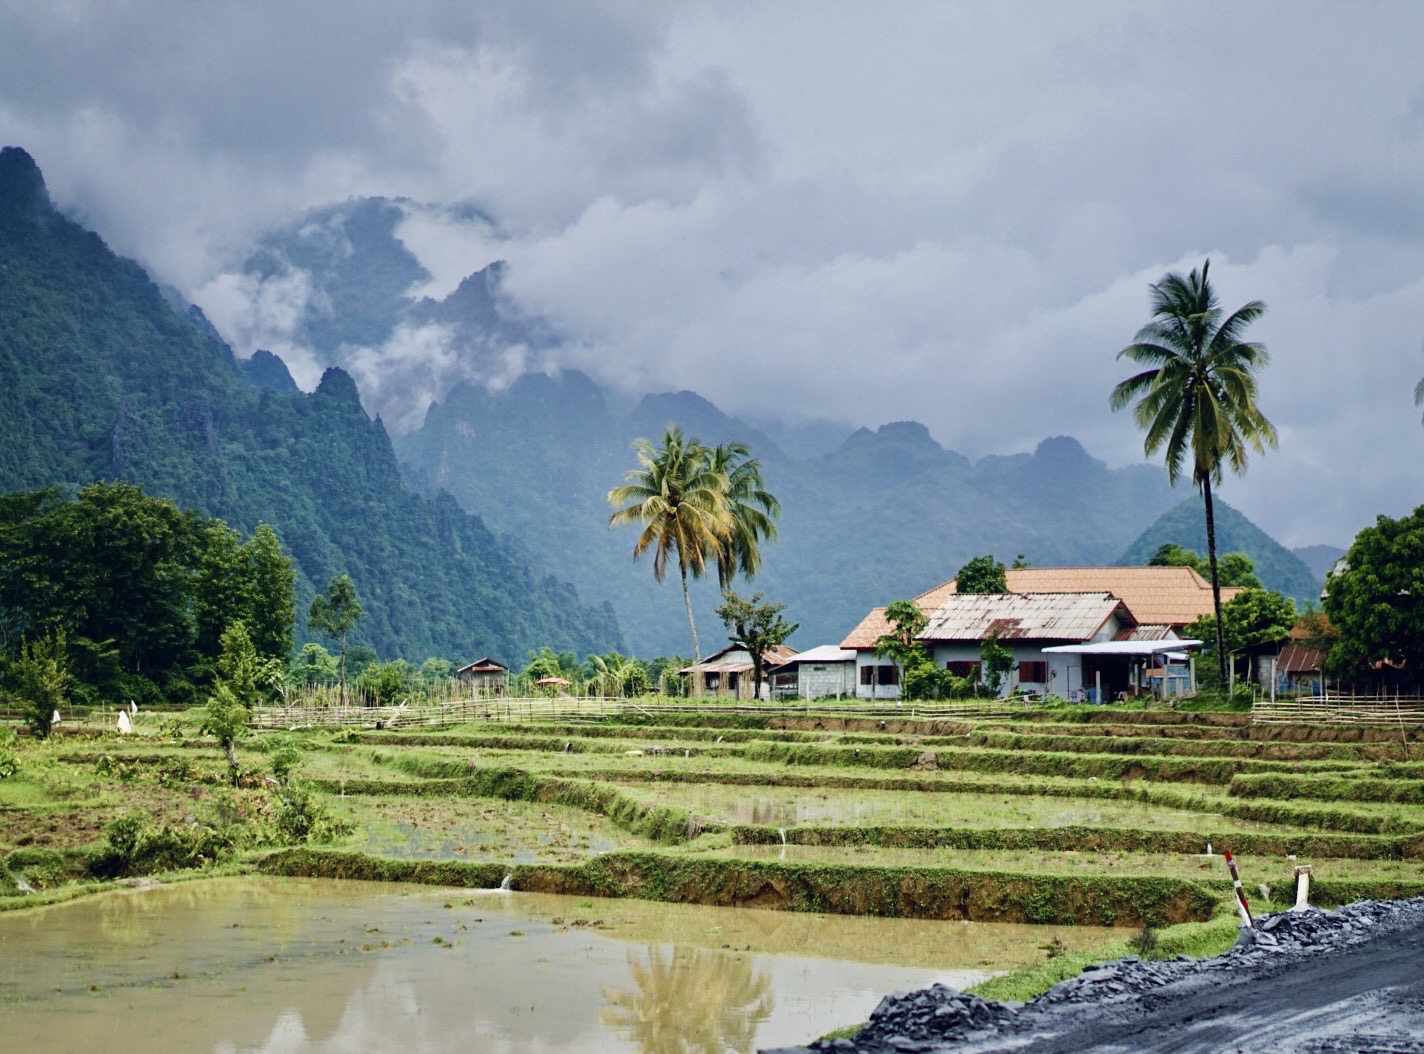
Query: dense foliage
983	574
1233	569
1376	602
105	379
132	595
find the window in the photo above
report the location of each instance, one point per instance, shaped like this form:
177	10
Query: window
867	675
1035	672
964	668
732	679
713	681
888	674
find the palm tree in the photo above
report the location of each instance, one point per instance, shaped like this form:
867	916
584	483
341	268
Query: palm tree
680	501
1197	399
753	510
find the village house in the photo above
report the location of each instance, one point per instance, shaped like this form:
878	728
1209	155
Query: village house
485	675
729	673
818	673
1111	631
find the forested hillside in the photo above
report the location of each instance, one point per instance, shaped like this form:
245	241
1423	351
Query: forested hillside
887	515
1276	566
101	378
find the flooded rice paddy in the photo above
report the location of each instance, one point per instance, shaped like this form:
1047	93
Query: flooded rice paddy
794	807
291	966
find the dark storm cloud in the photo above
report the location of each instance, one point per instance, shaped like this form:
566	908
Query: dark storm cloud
947	212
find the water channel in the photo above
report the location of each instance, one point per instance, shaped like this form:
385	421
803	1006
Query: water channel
293	966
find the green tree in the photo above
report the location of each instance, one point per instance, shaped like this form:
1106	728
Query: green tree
243	679
919	677
983	574
389	682
995	662
436	669
39	676
1375	599
680	502
1196	401
756	626
271	600
1233	569
335	613
1253	616
313	665
752	508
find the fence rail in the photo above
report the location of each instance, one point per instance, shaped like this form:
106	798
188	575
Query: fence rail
574	709
1344	710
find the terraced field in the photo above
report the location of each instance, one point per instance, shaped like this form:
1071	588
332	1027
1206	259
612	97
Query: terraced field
1091	817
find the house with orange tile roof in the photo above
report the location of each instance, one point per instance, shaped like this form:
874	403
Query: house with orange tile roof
1127	618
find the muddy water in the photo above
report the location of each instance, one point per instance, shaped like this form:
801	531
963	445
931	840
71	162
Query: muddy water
288	967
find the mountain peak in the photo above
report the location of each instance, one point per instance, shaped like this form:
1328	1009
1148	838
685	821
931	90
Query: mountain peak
22	186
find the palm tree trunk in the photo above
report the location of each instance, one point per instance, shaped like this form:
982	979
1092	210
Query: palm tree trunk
1215	581
687	600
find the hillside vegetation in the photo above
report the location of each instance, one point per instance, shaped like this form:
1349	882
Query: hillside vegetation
104	379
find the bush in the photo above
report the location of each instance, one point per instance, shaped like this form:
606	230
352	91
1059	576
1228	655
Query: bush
9	756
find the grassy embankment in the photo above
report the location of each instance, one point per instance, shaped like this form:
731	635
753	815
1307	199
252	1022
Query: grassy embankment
1073	817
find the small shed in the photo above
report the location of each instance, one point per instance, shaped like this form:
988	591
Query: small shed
817	673
485	675
729	673
1300	668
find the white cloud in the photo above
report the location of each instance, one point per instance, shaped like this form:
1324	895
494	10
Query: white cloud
942	212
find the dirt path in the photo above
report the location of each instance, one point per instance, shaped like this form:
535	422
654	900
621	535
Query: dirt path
1350	980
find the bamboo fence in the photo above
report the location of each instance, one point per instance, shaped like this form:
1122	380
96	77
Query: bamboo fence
577	709
1340	710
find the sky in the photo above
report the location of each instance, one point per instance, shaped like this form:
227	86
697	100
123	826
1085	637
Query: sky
941	212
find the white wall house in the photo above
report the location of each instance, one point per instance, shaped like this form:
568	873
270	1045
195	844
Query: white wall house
818	673
1024	623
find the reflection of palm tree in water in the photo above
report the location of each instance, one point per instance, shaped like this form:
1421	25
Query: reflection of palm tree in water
689	1001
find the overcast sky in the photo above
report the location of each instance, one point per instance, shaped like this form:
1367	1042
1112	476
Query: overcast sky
867	212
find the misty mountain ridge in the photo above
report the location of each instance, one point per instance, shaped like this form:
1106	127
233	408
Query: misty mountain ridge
106	378
869	515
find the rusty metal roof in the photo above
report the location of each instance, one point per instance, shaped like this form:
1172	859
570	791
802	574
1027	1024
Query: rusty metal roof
1023	616
1147	631
1299	658
736	659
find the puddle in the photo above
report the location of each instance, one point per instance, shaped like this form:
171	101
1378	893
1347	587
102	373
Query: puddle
291	966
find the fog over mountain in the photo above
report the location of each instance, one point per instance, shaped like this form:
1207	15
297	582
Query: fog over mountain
804	212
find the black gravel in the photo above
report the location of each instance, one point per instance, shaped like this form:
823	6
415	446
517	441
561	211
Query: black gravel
1312	981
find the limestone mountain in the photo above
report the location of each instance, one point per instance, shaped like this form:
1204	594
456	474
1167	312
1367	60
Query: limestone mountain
102	377
1276	566
886	515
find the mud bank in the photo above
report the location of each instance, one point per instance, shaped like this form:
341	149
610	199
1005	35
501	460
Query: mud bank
888	892
1347	980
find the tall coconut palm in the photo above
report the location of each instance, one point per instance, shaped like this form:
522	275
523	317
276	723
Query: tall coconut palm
753	510
1197	399
680	501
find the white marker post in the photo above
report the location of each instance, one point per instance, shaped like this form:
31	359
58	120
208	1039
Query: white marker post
1241	905
1302	889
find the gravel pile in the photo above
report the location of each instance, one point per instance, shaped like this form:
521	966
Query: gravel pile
1130	990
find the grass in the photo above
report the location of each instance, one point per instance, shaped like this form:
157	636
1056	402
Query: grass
1079	795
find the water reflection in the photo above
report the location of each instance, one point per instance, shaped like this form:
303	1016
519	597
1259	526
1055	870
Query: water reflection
689	1001
312	967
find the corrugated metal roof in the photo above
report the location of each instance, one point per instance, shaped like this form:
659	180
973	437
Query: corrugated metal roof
1150	631
741	660
822	653
1022	616
1298	658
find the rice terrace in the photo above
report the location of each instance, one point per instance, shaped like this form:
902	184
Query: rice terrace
1070	819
